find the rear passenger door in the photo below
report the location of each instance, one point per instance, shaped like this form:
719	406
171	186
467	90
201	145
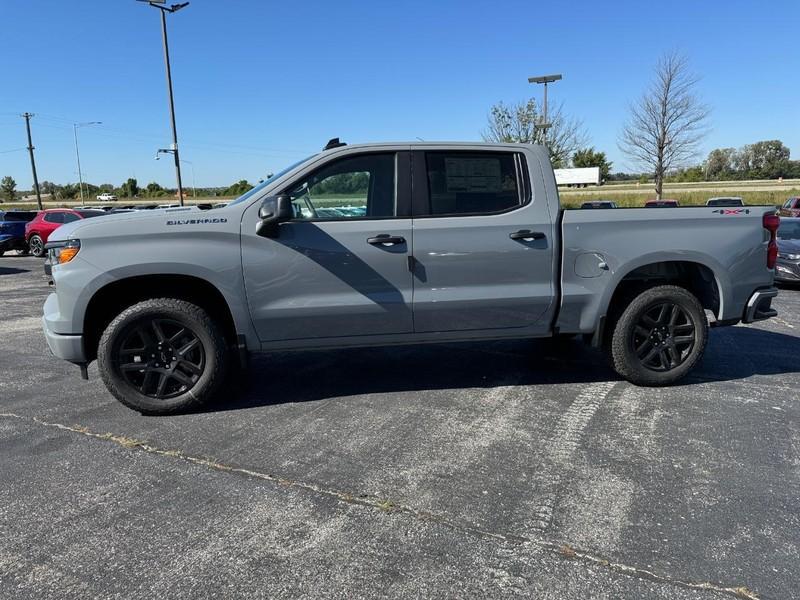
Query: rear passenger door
483	244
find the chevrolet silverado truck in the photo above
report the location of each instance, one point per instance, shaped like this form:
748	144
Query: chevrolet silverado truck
402	243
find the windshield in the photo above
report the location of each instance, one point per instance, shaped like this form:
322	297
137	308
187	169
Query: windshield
789	230
269	180
725	202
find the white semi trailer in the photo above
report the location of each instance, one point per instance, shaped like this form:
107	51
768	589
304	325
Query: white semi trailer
578	177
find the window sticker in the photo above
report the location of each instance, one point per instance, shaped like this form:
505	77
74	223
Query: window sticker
473	174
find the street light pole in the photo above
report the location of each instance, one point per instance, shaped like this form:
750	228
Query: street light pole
159	4
78	154
545	79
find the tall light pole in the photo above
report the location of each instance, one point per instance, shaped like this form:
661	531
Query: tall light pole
78	154
161	5
545	79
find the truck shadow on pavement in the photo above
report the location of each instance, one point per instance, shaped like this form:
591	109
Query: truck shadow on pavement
12	270
279	378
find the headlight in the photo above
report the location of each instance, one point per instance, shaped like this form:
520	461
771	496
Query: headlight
62	253
790	256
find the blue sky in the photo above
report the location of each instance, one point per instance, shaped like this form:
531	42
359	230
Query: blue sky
260	84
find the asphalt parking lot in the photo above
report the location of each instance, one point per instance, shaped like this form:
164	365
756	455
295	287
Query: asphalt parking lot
522	469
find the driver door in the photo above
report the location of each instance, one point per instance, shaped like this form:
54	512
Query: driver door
339	268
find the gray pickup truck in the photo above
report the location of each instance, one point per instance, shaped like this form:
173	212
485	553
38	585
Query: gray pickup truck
383	244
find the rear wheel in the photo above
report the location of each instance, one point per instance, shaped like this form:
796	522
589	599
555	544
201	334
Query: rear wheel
162	356
36	245
659	337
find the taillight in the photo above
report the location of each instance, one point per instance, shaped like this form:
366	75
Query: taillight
771	224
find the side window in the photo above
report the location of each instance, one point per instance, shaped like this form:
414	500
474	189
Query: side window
350	188
472	182
69	217
55	217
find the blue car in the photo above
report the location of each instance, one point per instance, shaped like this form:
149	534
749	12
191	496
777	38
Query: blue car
12	230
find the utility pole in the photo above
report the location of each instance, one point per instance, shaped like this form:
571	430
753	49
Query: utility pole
545	79
160	5
27	116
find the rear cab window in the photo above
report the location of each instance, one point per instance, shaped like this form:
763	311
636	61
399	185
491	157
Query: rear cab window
461	183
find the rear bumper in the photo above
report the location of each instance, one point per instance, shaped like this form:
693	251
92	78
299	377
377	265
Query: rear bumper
759	306
65	346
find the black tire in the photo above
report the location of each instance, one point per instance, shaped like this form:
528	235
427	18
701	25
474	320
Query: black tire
659	337
36	246
182	353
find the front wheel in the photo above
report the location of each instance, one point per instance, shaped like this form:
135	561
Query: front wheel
36	245
659	337
162	356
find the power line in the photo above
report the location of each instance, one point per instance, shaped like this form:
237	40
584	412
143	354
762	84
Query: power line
14	150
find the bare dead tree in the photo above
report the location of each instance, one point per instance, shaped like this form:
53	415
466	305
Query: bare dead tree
667	124
517	123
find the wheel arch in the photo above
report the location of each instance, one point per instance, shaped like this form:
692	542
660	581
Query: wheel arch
703	278
111	299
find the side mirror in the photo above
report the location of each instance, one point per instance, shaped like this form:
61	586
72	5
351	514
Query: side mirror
274	211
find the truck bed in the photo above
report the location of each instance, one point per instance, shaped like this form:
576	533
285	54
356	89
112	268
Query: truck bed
601	248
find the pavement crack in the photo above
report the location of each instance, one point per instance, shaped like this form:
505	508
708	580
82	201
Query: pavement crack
558	548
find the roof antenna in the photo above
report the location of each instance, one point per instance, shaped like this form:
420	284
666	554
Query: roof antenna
333	143
420	139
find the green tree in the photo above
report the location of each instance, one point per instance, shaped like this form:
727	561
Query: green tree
519	123
238	188
130	188
587	157
68	191
8	188
719	164
769	159
153	190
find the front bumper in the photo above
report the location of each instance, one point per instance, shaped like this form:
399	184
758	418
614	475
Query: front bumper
787	270
65	346
759	306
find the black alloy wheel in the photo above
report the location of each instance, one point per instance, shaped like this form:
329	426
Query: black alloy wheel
663	337
161	358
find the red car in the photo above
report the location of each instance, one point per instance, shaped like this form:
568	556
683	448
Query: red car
661	203
47	221
791	208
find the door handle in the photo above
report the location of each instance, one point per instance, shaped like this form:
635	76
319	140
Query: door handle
527	235
384	239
